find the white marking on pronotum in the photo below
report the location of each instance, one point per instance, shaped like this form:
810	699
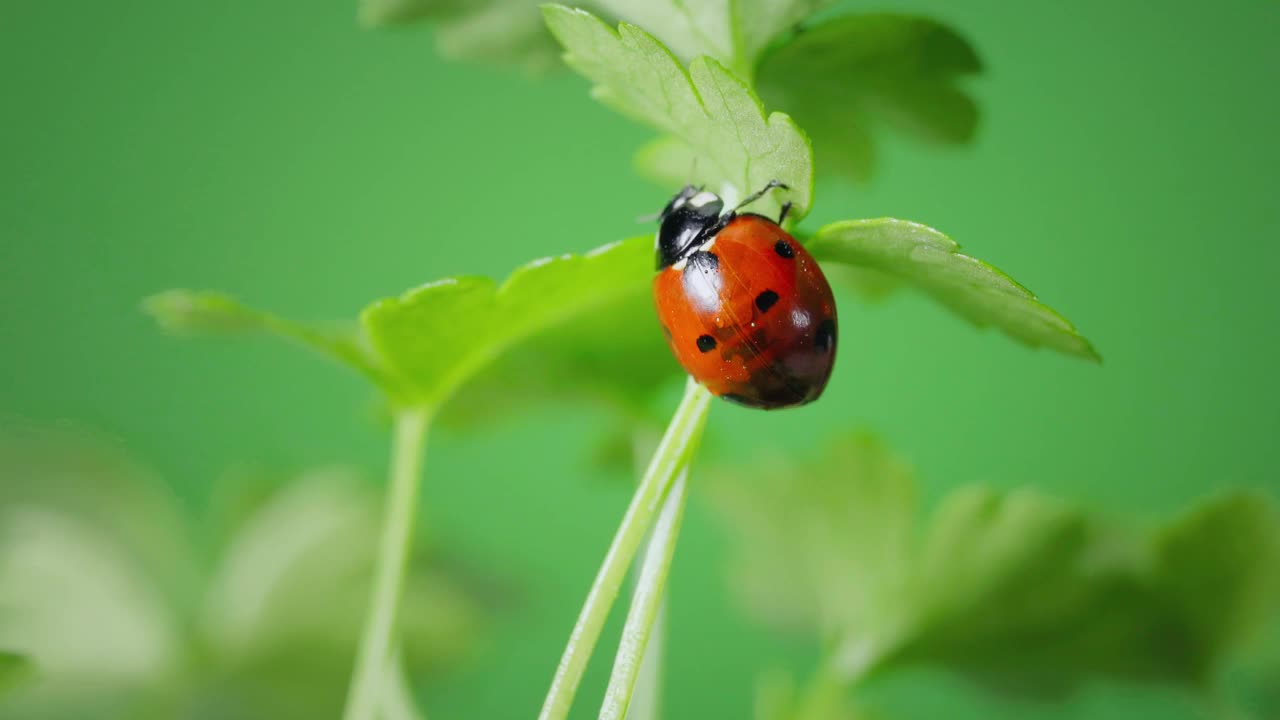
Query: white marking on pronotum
731	196
706	246
679	264
703	198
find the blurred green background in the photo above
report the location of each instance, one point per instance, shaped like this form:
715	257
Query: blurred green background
1126	170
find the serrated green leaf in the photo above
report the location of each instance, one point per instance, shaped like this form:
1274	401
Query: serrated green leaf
195	312
998	572
435	337
931	261
844	77
737	148
1022	593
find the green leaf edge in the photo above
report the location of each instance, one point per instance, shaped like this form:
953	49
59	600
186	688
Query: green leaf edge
201	312
182	311
818	245
553	13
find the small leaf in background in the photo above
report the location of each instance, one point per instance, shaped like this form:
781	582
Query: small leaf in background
317	537
92	547
194	312
507	32
14	668
822	557
435	337
1024	594
846	76
1218	567
738	149
931	261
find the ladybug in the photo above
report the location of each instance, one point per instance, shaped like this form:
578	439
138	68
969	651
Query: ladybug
744	307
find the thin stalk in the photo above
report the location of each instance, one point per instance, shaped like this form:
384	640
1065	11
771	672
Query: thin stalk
373	658
645	602
646	697
681	435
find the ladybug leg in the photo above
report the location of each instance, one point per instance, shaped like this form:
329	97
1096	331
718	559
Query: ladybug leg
786	208
760	193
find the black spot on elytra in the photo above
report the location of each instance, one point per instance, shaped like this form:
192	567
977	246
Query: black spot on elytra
783	248
766	300
704	260
826	336
706	343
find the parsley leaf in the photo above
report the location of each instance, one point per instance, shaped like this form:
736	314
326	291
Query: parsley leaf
423	345
931	261
845	77
736	148
1022	593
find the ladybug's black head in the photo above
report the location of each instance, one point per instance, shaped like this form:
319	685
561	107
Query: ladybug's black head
691	217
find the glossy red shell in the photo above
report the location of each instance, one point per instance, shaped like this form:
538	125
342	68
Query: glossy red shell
751	316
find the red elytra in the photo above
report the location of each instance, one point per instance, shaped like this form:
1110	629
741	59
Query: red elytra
745	308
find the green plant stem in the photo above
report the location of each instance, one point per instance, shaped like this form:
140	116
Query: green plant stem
645	603
373	658
681	436
645	698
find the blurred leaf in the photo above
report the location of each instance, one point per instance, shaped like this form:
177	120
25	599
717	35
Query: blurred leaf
932	262
844	76
193	312
738	148
1018	591
1218	566
497	31
62	581
13	668
391	12
1014	590
317	537
100	589
437	336
86	484
816	555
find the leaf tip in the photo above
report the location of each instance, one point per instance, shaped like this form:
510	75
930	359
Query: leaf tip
188	311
